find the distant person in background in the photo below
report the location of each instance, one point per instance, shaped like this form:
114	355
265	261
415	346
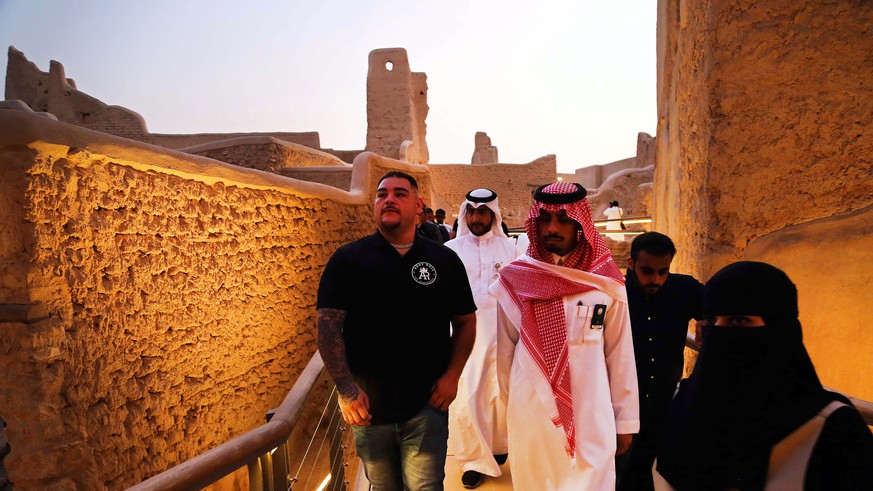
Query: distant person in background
477	417
661	306
753	414
614	214
427	227
444	228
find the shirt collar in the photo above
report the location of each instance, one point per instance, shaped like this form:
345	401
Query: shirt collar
556	257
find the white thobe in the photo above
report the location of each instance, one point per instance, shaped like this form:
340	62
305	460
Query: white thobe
477	417
614	214
603	387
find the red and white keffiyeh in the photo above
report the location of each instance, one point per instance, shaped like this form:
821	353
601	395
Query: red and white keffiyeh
591	253
539	294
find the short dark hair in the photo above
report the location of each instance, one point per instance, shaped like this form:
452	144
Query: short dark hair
440	211
654	243
401	175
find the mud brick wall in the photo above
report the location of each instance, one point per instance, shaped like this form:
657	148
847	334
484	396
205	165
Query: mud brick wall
169	300
265	153
309	139
513	184
764	152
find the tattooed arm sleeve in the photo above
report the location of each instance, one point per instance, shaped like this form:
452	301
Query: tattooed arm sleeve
333	350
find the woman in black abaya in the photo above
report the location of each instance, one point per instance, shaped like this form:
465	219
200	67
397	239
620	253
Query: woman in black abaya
753	414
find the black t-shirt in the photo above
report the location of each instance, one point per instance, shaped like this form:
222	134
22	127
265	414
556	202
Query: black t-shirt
659	324
397	328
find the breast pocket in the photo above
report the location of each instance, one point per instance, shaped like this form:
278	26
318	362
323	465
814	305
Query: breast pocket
579	328
491	270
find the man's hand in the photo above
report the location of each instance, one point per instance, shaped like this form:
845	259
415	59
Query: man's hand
355	408
623	443
444	391
353	402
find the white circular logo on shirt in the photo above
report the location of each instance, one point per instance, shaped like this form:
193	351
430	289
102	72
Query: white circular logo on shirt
424	273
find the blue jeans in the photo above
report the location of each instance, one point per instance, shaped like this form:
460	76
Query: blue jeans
409	455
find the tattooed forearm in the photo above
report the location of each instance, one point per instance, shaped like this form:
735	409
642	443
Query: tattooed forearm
333	351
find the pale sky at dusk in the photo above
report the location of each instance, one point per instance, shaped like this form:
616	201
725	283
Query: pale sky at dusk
575	78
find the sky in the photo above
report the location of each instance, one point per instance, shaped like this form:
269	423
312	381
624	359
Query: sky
573	78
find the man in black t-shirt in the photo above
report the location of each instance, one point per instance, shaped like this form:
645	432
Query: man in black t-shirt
396	371
661	306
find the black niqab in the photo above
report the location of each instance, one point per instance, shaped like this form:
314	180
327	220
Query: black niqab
750	388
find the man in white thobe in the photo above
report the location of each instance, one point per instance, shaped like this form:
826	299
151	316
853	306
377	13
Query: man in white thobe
570	382
477	417
614	214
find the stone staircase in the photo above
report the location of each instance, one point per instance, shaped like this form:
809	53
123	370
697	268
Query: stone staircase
620	251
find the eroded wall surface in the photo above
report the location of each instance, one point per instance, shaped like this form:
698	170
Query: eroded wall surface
593	176
396	106
812	254
154	305
630	187
763	115
512	182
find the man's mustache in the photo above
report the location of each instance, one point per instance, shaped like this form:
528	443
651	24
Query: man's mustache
552	236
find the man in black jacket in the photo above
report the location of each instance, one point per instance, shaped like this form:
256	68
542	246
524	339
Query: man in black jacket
661	305
427	227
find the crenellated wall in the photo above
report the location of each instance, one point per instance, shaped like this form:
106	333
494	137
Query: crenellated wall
53	92
152	304
764	110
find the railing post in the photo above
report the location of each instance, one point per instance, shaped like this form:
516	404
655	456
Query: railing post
266	461
279	467
337	465
279	474
256	478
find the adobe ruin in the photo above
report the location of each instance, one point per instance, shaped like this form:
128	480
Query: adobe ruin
155	302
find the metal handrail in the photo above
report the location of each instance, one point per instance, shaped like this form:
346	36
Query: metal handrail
244	450
602	223
247	449
626	221
863	407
